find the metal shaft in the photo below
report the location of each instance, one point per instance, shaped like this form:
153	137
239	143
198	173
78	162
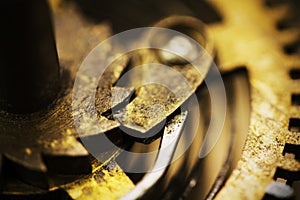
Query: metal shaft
29	68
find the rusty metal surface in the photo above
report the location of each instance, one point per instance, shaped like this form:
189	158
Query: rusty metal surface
108	182
51	132
248	37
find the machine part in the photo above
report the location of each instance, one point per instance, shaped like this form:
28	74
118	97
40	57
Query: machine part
139	115
280	190
49	138
30	75
251	33
170	138
106	181
170	175
38	144
260	35
210	174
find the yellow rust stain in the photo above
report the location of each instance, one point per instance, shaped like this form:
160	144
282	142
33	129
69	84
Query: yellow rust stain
103	184
248	37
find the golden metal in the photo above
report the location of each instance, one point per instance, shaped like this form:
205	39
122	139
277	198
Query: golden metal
248	37
167	96
101	184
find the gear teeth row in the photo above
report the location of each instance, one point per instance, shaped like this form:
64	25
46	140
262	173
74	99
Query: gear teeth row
270	151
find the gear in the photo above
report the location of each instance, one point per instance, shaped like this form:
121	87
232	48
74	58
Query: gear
49	162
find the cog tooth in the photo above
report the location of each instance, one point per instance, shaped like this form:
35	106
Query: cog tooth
289	164
27	157
29	166
289	36
120	95
101	184
72	159
67	147
279	12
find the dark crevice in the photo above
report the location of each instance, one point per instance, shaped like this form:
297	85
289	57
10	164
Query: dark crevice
296	99
291	21
204	11
275	3
68	165
283	25
109	114
292	48
294	125
295	74
289	176
292	148
58	194
270	197
125	15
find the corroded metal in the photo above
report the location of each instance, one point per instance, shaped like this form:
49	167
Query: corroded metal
249	37
52	131
34	141
167	95
107	181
